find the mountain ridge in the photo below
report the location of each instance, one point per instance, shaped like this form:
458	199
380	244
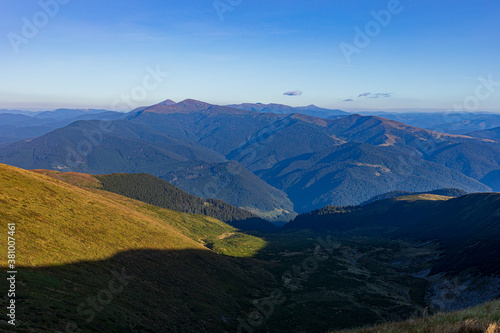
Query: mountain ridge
158	192
180	138
466	227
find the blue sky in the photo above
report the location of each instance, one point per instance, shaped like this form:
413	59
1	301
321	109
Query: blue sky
429	54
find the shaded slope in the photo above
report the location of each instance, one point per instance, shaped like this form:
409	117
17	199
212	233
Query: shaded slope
232	183
353	173
467	227
473	160
162	291
95	233
493	134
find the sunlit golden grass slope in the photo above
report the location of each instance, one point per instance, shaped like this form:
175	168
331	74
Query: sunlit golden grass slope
71	242
58	223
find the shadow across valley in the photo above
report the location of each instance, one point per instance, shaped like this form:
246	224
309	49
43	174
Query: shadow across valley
139	291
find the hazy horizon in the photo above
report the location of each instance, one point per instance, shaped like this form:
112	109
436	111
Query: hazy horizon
364	110
367	55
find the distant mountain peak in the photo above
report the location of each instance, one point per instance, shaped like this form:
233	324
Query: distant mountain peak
167	102
311	110
193	103
186	106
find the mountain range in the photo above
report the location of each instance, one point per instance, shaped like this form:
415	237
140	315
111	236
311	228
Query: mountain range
450	122
310	110
101	261
18	125
269	163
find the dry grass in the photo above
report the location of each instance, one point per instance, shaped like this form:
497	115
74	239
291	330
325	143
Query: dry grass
481	319
58	223
493	328
73	178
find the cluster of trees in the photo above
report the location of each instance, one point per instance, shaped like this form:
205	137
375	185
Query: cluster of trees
158	192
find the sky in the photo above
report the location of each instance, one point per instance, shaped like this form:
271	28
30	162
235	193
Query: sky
341	54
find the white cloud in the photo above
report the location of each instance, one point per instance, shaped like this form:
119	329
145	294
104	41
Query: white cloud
293	93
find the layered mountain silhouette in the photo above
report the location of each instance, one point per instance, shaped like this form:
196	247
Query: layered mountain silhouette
352	173
272	163
29	125
445	122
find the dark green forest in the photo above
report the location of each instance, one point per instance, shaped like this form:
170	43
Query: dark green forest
158	192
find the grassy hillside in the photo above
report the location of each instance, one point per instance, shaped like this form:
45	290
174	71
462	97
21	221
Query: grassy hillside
158	192
70	241
481	319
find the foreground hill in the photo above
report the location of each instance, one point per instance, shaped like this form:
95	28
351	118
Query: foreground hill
481	319
468	227
101	262
71	242
156	191
93	260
